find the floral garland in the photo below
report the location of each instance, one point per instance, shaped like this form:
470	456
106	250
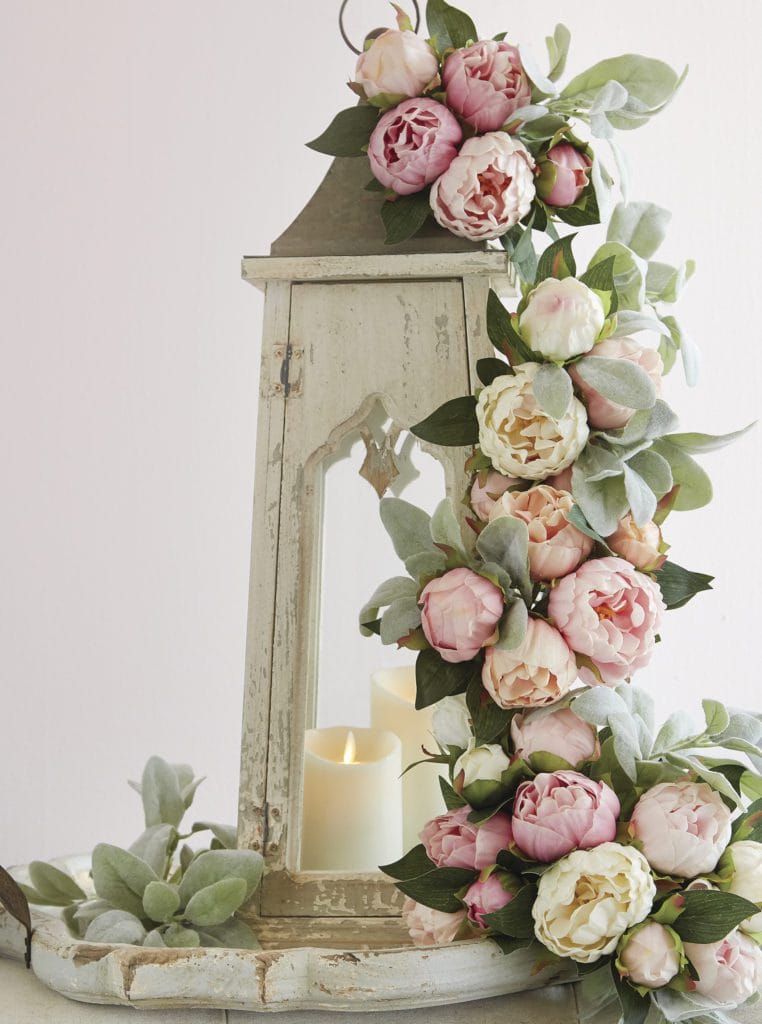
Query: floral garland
573	825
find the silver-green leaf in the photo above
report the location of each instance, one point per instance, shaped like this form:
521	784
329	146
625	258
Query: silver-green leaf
619	380
553	390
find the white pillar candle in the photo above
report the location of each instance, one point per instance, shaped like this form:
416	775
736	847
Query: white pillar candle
352	800
392	706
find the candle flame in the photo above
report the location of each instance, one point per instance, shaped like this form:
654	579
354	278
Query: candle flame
350	748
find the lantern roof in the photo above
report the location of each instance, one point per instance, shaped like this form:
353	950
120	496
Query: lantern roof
343	218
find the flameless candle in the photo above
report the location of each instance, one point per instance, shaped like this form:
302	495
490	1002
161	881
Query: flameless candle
392	706
352	799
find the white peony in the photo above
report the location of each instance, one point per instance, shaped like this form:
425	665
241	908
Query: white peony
520	438
396	64
482	764
587	900
746	881
451	722
487	188
562	319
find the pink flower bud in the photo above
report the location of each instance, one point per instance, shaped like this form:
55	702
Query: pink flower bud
429	927
452	841
413	144
561	733
486	489
459	614
558	812
485	83
638	544
649	955
564	175
489	896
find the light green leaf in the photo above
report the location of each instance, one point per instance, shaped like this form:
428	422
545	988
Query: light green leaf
598	463
714	779
558	51
160	791
116	926
642	227
641	498
619	380
214	865
385	595
553	390
233	934
689	351
640	704
603	503
678	728
83	914
178	937
513	627
506	541
645	425
695	486
654	470
626	742
699	444
445	530
160	901
425	564
216	902
152	846
154	940
227	835
631	321
407	526
120	877
347	133
449	26
56	887
629	273
716	716
649	81
664	283
597	705
400	619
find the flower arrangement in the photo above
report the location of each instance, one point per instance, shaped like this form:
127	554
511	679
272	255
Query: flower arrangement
158	893
471	132
572	823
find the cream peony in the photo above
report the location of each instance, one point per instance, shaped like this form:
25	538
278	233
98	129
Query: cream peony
562	319
396	64
487	188
638	544
481	764
451	722
588	900
538	672
745	860
519	437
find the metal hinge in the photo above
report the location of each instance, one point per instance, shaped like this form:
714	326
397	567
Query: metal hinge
289	383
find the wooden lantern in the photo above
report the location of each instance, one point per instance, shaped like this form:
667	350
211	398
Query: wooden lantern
349	324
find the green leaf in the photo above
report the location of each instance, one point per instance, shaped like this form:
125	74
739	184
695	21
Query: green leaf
506	541
716	716
408	528
116	926
437	888
347	133
120	877
425	564
629	274
635	1006
57	887
488	719
577	518
619	380
642	227
449	26
654	469
710	915
664	282
597	704
162	797
502	334
453	424
515	918
227	835
400	619
215	865
649	81
693	481
179	937
558	51
600	276
404	216
152	846
643	426
603	502
216	902
436	678
445	531
641	498
751	785
679	585
232	934
414	864
553	389
557	261
488	369
160	901
513	626
688	349
452	800
700	444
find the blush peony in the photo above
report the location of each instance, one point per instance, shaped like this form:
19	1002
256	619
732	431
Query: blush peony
413	144
649	955
485	491
429	927
538	672
459	613
730	971
452	841
564	175
485	83
489	895
561	733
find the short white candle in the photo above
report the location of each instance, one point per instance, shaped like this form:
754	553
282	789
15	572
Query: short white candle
392	706
352	800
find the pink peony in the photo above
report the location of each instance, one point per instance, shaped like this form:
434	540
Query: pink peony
413	144
452	841
396	64
730	971
487	188
610	613
538	672
556	547
558	812
486	489
565	174
429	927
638	544
602	413
459	614
489	896
561	733
485	83
682	828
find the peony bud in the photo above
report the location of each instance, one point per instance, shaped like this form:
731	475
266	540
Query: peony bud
489	896
650	955
562	319
560	733
487	487
638	544
429	927
564	175
451	722
396	64
452	841
478	774
460	612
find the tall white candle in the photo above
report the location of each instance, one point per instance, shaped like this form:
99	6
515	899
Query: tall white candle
352	799
392	706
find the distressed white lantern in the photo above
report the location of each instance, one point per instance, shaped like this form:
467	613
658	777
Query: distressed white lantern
360	341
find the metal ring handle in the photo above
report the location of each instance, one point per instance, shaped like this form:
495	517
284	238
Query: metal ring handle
346	38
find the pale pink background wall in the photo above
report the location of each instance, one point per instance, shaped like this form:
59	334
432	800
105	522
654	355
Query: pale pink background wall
145	147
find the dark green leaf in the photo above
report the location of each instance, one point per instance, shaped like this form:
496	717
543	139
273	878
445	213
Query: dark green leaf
488	369
449	26
437	888
488	718
404	216
679	585
584	212
508	945
347	133
558	260
501	332
515	918
601	279
414	864
451	799
710	915
453	424
635	1007
436	678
